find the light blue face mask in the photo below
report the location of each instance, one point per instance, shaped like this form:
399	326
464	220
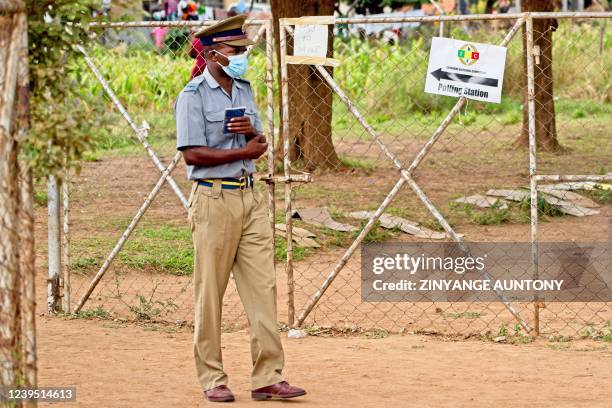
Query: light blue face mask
238	64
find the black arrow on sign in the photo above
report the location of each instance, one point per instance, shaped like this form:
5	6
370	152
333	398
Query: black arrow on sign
470	79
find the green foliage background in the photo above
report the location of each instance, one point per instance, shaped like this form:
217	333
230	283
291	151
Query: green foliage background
379	77
62	113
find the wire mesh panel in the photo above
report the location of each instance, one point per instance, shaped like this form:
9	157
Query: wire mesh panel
367	157
138	70
574	159
465	168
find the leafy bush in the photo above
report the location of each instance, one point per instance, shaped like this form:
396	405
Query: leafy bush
62	113
176	39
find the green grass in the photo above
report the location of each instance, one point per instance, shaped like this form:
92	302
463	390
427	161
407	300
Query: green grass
377	334
494	215
464	315
146	309
354	163
139	256
544	208
84	263
164	248
152	248
95	313
40	197
601	195
376	234
280	250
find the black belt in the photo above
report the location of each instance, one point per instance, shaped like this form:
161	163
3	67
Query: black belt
230	183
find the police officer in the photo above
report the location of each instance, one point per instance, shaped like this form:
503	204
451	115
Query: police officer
227	216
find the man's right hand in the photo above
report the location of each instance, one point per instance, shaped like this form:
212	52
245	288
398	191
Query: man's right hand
256	147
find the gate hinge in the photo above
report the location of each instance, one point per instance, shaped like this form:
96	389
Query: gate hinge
536	54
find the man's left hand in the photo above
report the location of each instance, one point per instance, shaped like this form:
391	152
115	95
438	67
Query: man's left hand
242	125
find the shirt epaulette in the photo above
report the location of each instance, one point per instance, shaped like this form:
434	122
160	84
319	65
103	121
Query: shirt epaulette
194	84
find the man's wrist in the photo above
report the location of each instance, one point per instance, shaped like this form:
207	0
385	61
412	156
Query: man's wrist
241	152
251	135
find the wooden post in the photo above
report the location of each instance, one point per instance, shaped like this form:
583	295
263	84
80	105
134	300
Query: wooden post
66	244
53	244
12	50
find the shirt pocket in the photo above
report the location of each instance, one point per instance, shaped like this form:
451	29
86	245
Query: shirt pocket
252	114
214	128
214	116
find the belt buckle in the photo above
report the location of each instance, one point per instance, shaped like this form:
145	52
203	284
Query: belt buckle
244	182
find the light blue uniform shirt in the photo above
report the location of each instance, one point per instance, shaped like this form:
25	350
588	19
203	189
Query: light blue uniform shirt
200	110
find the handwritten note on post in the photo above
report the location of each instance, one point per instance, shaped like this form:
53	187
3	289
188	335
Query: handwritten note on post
310	41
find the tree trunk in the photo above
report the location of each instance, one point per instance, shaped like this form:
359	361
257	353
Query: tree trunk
27	248
13	122
9	252
310	98
546	130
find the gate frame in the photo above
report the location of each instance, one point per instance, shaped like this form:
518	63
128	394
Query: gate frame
289	177
534	177
405	174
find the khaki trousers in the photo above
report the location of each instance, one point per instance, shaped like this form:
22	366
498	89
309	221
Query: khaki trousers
231	232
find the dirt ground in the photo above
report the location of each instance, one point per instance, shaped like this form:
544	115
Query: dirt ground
133	366
113	364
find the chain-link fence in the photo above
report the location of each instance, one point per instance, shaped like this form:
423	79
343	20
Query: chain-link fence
130	251
572	101
396	164
365	155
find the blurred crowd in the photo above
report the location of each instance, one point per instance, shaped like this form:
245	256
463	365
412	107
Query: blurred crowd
173	10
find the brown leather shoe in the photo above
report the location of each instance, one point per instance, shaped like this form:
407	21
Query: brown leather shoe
278	390
220	393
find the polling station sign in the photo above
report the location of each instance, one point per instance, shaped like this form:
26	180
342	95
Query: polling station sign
464	68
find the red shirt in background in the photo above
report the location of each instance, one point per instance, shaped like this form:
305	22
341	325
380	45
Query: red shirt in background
197	52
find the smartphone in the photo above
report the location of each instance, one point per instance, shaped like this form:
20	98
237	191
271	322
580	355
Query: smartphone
232	113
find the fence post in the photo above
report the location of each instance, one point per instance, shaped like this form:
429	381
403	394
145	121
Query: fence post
287	169
533	187
28	277
54	239
270	117
66	243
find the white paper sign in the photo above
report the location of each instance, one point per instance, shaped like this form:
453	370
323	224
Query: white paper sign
465	68
310	41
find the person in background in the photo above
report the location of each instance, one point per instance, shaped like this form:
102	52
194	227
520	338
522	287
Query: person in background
189	10
241	7
158	34
192	11
501	7
201	12
171	10
197	52
182	5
